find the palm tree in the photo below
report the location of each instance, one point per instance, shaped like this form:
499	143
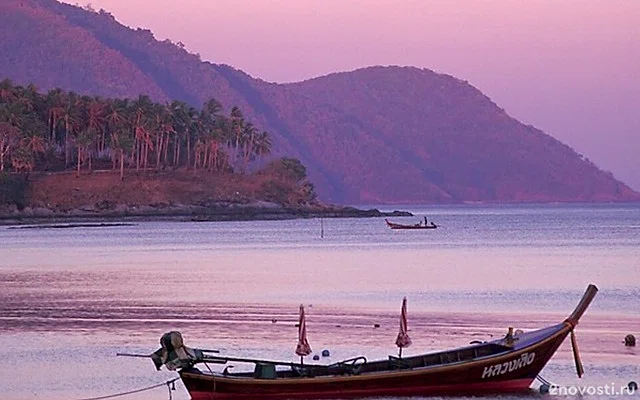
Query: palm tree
121	142
212	107
249	133
198	149
141	107
22	159
237	128
8	139
55	105
71	117
115	120
262	145
164	126
83	141
95	119
7	91
211	123
221	136
36	144
34	131
211	147
115	114
12	112
181	116
195	126
29	97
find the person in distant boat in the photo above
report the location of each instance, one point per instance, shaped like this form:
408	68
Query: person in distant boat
425	221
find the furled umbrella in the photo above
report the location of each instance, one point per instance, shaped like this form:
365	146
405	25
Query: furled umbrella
403	340
303	348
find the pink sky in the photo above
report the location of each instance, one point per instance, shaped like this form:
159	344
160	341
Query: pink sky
569	67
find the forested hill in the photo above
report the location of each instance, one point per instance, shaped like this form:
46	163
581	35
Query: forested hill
373	135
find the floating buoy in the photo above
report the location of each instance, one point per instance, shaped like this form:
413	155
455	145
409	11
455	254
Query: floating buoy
544	388
325	353
630	340
632	387
376	325
316	357
273	321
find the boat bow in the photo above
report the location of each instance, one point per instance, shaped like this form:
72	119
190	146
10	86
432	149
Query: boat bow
573	320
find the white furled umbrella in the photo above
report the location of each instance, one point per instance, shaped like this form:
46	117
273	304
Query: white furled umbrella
403	340
303	348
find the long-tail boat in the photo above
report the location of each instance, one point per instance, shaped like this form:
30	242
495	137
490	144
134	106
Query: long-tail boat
509	364
394	225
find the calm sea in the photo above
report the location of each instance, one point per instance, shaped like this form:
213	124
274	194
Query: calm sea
70	299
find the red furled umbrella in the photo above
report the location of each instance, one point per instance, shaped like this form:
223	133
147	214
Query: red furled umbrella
403	339
303	348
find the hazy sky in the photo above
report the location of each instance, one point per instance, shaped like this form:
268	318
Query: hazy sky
570	68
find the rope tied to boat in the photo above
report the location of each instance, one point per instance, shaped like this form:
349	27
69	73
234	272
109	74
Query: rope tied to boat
170	384
546	385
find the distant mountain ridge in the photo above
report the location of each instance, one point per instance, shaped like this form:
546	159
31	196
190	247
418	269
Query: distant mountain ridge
374	135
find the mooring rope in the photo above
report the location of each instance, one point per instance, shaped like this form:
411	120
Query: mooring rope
546	385
111	396
544	381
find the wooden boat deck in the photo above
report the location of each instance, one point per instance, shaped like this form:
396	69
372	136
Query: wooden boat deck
437	359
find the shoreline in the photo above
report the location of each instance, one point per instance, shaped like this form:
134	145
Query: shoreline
255	211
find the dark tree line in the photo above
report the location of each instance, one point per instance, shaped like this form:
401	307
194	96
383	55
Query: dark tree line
63	130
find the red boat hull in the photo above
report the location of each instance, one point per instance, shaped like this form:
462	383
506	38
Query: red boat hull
514	386
512	371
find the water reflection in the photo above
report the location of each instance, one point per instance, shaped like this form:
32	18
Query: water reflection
71	298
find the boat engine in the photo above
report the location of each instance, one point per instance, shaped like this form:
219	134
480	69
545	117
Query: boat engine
174	354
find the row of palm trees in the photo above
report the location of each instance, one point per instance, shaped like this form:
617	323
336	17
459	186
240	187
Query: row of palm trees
75	130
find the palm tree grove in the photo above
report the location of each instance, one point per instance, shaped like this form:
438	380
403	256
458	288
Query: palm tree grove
59	130
66	134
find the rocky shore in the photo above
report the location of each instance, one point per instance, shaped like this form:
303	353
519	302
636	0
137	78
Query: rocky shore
103	197
219	211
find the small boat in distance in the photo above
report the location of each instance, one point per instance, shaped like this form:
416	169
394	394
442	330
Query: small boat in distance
508	364
419	225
